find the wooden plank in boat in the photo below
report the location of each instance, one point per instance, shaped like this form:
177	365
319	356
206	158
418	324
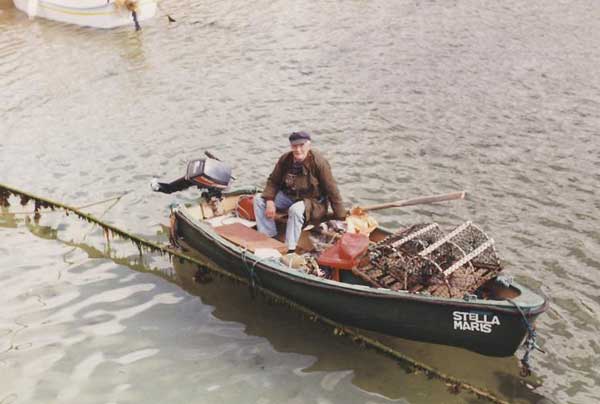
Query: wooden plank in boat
249	238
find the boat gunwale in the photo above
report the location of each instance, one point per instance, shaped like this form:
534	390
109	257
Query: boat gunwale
60	6
530	309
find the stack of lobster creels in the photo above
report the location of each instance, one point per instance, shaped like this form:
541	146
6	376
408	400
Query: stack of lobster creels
422	259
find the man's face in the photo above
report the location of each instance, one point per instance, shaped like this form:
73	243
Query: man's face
300	151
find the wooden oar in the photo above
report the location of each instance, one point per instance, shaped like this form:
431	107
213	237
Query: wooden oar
359	210
415	201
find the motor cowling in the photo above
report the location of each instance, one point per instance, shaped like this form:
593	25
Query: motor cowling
208	173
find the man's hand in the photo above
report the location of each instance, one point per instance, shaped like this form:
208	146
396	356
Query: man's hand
270	210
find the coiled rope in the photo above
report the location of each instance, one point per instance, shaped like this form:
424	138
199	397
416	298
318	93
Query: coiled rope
456	385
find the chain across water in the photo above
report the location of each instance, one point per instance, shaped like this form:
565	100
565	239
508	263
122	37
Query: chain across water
338	329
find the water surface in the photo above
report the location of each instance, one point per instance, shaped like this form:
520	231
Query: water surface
405	99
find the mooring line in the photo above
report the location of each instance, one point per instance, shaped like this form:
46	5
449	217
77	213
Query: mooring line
89	205
338	329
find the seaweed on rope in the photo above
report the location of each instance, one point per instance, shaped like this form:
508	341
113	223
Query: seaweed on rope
454	384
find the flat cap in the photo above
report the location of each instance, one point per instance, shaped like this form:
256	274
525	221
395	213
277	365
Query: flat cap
299	138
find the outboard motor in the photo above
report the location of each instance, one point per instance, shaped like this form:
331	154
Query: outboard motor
212	176
208	173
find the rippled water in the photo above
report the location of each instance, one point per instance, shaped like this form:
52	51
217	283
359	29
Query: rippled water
405	98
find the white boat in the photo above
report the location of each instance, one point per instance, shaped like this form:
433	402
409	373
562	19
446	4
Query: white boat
90	13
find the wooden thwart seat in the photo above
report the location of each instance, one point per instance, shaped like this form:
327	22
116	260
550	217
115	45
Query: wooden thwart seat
249	238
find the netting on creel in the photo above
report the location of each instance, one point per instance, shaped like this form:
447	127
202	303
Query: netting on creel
422	258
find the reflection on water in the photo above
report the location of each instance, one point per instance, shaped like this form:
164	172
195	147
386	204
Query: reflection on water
288	331
306	347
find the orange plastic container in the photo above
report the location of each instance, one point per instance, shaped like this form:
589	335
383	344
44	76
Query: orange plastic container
346	253
245	207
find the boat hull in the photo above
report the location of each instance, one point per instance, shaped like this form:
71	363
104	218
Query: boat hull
494	328
89	13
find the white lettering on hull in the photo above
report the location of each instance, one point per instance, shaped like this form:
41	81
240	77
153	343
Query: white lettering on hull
475	322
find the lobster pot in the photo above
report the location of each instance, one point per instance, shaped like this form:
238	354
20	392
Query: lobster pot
424	259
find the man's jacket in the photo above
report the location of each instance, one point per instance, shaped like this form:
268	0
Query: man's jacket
315	186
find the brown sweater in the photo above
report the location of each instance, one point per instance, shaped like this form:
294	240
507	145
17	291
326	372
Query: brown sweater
314	183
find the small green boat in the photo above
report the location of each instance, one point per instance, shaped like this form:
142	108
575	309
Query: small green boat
494	319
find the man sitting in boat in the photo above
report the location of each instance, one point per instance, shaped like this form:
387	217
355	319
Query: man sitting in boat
301	184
